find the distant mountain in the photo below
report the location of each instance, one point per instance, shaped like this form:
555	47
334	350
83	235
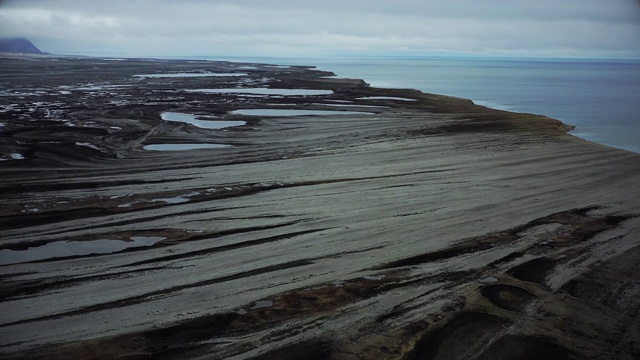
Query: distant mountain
18	45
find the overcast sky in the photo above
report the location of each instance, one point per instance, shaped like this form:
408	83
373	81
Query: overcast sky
554	28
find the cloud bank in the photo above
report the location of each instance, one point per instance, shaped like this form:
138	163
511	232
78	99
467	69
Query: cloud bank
582	28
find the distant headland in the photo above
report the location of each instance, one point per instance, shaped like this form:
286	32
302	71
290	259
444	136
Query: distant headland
18	45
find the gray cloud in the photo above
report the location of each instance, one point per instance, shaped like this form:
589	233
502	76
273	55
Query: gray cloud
329	27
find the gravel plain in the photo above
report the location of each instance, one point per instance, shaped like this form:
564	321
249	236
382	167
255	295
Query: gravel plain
409	226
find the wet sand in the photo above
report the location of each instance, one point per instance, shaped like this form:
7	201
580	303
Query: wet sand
424	229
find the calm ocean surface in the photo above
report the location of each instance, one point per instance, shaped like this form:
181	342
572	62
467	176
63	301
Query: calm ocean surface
600	97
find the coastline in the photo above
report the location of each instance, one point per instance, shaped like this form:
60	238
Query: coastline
423	222
601	111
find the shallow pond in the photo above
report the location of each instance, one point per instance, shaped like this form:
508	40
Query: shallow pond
384	98
74	248
265	91
180	147
193	120
184	75
351	105
293	112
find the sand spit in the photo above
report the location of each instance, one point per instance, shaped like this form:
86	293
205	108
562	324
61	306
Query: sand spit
425	229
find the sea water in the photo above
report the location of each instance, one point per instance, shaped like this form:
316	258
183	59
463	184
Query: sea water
600	97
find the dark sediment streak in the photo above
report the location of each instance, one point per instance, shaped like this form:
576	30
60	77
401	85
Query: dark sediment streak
432	228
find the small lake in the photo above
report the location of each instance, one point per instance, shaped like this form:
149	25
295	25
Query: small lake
293	112
196	120
265	91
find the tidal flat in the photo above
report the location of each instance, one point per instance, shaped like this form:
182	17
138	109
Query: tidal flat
426	227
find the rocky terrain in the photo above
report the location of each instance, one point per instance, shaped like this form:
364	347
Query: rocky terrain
215	210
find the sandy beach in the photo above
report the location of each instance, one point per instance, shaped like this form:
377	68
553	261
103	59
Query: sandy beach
392	224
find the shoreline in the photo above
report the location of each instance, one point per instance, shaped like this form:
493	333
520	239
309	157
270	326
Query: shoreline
402	228
427	78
